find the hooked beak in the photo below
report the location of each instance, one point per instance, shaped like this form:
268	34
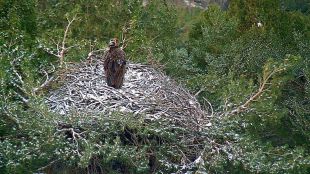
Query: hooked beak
112	43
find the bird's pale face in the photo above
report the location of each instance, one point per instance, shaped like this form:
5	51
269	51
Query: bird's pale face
113	42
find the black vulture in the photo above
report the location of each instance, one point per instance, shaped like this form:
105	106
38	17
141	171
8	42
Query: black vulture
115	65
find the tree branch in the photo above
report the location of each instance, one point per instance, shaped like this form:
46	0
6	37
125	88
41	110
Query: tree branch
48	165
47	81
125	31
63	50
265	81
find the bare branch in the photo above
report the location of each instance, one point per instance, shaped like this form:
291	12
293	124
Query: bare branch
62	49
21	97
43	85
212	111
93	54
51	52
124	41
76	136
48	165
264	82
125	30
197	93
16	73
66	32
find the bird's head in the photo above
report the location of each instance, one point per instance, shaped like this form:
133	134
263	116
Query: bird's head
113	43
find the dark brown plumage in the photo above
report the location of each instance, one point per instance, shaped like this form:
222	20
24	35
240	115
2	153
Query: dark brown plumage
115	65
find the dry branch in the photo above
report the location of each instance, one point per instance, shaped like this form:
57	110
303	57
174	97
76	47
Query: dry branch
48	165
262	88
47	81
61	51
124	35
61	45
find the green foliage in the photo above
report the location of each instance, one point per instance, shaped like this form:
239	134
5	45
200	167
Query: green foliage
260	140
297	5
231	68
252	12
18	16
152	33
112	143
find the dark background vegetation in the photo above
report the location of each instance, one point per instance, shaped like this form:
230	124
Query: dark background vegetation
222	53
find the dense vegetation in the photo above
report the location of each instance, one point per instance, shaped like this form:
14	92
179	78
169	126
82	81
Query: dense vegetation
225	56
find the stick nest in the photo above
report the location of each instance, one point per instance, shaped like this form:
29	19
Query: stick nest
146	92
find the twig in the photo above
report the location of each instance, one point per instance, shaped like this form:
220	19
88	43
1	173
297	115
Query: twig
123	35
61	53
47	81
61	50
212	111
197	93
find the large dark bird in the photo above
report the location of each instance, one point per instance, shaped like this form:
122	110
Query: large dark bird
115	65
